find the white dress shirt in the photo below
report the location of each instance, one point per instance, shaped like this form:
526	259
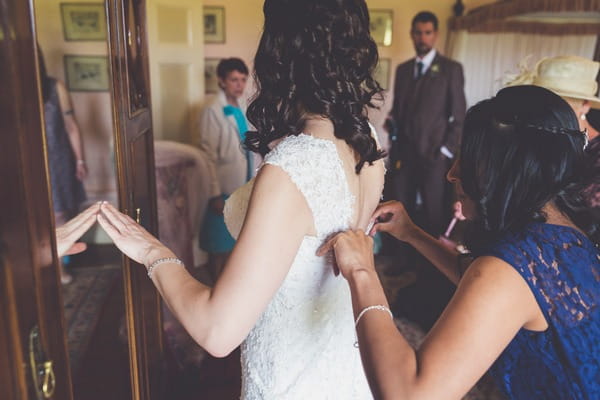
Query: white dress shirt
427	59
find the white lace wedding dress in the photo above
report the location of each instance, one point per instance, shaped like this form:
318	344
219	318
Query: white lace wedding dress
302	346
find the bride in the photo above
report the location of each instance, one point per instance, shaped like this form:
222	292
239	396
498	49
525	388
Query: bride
322	173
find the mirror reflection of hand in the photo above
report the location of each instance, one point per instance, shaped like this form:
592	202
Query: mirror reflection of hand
353	252
131	238
68	234
392	217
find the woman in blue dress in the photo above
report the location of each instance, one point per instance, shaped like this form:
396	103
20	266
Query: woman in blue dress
528	305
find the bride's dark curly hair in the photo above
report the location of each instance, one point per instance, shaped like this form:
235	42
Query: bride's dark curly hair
315	57
520	150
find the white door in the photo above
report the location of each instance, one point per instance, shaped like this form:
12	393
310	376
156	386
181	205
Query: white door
176	43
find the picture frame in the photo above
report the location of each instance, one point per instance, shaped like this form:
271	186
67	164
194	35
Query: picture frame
214	24
382	73
86	73
211	80
381	24
83	21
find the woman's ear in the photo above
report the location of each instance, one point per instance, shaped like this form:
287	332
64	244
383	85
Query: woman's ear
221	83
585	107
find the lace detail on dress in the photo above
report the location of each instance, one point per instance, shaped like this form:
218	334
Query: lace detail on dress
562	268
302	345
315	167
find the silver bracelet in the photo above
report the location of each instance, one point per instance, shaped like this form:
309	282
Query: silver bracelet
156	263
379	307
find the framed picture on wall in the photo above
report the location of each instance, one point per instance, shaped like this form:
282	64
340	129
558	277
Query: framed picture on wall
83	21
382	73
211	80
381	25
86	73
214	24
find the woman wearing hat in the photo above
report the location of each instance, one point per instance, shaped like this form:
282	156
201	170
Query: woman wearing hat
574	79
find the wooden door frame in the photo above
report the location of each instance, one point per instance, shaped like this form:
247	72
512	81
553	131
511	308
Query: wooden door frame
29	277
142	302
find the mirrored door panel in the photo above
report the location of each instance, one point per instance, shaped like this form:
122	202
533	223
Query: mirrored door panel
75	78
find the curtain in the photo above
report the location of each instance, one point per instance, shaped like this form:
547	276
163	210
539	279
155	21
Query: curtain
488	58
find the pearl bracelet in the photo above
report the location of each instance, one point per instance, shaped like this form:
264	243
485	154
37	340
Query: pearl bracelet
379	307
156	263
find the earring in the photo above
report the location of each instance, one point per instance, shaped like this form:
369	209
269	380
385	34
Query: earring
582	117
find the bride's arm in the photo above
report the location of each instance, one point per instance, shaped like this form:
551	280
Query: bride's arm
220	318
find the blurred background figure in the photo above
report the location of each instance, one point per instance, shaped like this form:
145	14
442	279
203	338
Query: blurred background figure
223	128
425	125
66	158
429	107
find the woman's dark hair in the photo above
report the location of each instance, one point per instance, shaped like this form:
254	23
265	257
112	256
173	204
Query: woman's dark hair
521	150
45	80
228	65
424	17
315	57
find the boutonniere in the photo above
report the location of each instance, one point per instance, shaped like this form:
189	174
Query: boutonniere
435	68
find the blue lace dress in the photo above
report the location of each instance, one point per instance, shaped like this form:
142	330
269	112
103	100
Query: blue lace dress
562	268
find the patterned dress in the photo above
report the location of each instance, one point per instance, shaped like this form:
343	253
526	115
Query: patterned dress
562	268
67	190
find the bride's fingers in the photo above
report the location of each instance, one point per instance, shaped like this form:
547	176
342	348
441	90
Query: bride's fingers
115	217
82	218
126	220
108	227
82	225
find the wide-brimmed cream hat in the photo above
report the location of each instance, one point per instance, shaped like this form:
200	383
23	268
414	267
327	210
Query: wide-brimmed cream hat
567	76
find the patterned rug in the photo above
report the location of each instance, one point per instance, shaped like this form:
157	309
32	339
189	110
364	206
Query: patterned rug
83	300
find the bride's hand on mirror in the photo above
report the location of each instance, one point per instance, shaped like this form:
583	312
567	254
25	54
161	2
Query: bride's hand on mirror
68	234
131	238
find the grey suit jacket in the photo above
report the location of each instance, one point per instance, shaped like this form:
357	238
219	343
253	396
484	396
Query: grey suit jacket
429	112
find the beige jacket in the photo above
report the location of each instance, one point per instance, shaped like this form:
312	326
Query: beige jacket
219	140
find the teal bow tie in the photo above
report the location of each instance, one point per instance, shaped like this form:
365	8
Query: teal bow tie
242	126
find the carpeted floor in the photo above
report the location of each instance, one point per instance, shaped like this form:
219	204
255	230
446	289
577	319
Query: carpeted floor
83	301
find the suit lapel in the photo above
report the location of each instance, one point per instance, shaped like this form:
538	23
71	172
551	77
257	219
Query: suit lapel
430	73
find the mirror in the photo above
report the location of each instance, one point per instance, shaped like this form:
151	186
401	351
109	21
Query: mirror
74	72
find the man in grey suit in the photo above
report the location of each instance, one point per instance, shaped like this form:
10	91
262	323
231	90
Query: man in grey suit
426	124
